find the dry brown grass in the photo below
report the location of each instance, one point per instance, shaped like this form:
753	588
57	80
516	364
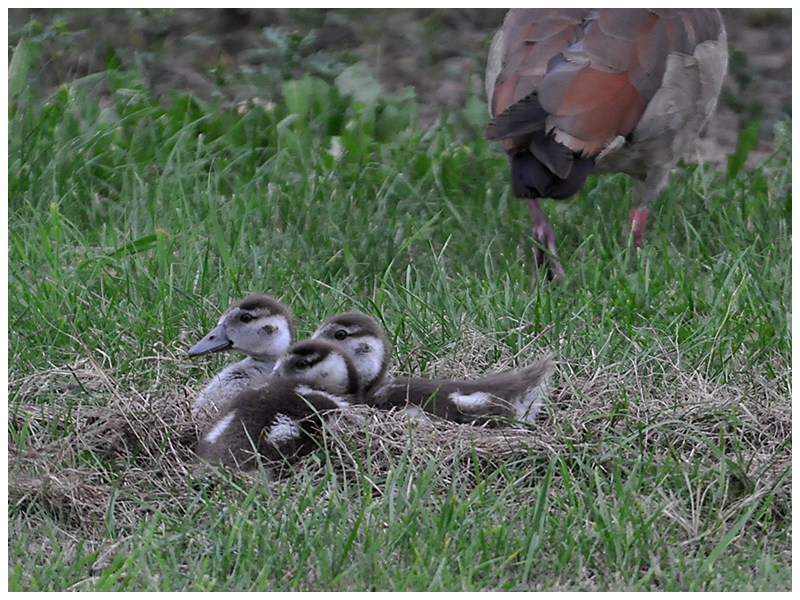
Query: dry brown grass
85	464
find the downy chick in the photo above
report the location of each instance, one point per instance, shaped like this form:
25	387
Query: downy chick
367	343
282	419
517	395
510	396
257	326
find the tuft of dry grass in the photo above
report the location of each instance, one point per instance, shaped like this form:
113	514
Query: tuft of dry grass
121	461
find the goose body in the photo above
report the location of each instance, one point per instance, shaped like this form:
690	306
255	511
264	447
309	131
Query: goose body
257	326
515	395
282	419
603	90
511	396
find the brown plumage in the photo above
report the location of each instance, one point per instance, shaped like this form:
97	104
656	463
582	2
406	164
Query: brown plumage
510	396
576	91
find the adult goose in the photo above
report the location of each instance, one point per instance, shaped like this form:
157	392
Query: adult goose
574	91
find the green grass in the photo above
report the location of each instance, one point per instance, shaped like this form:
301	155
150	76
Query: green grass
664	461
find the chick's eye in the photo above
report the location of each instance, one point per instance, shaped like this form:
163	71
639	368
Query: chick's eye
302	364
246	318
340	335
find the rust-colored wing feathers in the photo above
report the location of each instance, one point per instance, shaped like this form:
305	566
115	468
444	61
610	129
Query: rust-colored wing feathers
592	71
528	42
592	120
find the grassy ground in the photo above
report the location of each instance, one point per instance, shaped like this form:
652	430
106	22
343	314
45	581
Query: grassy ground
663	461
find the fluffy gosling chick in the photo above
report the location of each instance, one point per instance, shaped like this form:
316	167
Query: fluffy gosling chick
515	395
510	396
283	418
366	342
257	326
